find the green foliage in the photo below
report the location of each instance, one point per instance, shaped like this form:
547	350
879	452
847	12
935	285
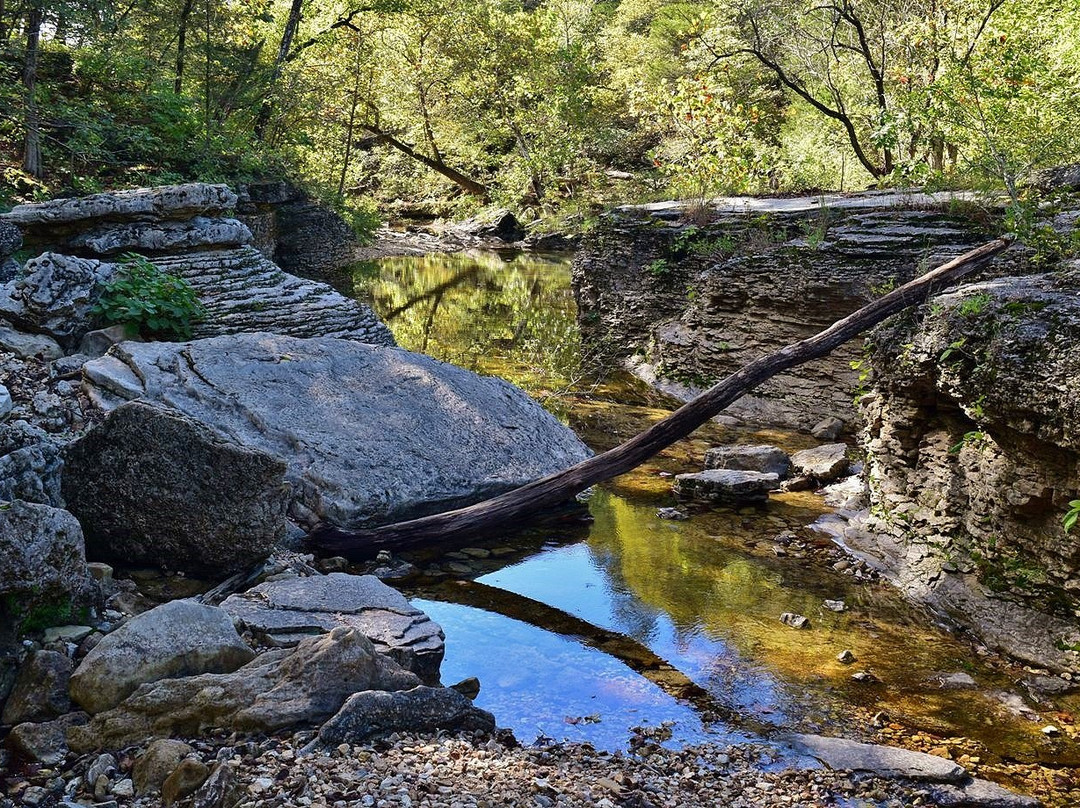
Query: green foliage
1068	521
1029	219
974	305
659	268
148	301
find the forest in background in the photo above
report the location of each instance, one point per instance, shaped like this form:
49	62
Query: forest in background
553	108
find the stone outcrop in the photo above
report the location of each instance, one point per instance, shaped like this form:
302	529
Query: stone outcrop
284	612
972	436
368	434
153	486
278	689
686	305
186	230
178	638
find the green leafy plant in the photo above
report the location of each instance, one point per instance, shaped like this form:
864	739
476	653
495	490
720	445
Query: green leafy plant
148	301
974	305
1068	521
658	268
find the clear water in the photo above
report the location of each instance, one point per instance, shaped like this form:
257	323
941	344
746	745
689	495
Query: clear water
563	628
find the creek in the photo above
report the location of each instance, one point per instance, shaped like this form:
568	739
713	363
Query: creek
585	628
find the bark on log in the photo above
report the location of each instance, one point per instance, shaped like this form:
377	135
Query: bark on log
468	523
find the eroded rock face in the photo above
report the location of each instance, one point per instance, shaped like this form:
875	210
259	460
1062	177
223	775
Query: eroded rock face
153	486
972	435
686	306
369	435
179	638
286	611
304	685
186	230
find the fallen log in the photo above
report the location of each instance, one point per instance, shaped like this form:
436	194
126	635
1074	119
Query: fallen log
512	506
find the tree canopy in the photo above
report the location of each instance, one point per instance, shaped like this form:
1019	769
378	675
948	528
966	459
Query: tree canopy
554	107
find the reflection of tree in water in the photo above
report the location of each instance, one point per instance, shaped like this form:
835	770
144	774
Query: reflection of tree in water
632	616
512	317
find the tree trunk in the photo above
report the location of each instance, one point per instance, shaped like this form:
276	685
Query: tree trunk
513	506
465	183
32	144
181	45
267	108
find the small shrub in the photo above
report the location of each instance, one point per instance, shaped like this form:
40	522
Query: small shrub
149	302
658	268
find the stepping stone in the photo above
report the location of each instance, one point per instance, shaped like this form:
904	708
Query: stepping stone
726	486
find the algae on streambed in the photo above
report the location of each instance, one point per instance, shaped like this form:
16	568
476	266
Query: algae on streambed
705	594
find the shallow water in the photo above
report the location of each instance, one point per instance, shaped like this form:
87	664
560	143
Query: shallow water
584	631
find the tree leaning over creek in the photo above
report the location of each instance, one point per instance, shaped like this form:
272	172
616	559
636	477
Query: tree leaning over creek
467	523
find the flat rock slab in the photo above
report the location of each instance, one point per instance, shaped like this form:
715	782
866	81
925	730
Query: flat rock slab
749	457
885	761
980	794
286	611
422	709
726	486
370	435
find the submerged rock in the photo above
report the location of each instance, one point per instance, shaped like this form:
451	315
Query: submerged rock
369	435
152	486
725	486
278	689
285	612
179	638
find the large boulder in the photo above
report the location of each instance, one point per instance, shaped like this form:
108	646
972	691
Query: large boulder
152	486
278	689
749	457
422	709
284	612
822	463
42	563
369	435
179	638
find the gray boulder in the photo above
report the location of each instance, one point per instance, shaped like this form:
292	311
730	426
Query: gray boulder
45	742
725	486
28	346
179	638
42	562
822	463
278	689
152	486
56	294
30	465
286	611
979	794
749	457
41	689
5	402
422	709
370	435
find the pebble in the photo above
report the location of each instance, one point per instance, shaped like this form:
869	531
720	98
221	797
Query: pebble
834	605
846	657
795	620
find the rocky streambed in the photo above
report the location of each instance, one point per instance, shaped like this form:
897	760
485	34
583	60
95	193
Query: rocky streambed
305	681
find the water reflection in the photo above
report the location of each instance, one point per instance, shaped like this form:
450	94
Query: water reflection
701	594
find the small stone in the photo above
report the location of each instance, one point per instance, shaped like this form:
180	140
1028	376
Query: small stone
75	634
159	760
841	565
956	681
185	780
124	788
469	688
102	767
795	620
6	404
35	795
671	513
334	564
834	605
1050	730
100	571
865	677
